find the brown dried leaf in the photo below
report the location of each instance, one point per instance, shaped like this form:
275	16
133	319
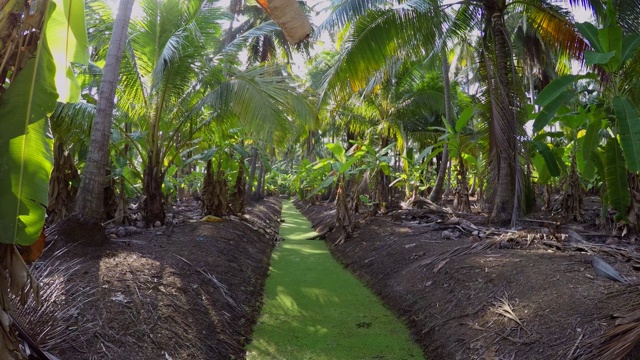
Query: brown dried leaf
18	273
440	265
627	317
452	221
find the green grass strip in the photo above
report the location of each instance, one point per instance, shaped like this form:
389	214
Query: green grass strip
314	309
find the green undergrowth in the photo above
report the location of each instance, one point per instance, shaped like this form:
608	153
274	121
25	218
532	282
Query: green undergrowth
314	309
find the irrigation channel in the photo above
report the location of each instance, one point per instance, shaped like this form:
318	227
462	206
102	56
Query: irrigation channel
315	309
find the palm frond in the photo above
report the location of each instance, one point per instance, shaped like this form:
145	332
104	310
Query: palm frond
376	37
260	98
231	51
71	122
556	28
345	11
629	15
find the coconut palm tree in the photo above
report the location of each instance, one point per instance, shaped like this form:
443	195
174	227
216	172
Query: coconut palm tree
89	202
417	29
174	82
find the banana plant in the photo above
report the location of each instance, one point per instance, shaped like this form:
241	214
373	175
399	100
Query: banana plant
347	169
458	137
561	156
308	179
416	175
31	94
617	153
42	42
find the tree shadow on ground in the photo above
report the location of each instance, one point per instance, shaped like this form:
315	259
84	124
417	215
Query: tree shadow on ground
192	292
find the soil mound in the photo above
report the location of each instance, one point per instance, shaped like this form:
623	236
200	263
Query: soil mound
191	291
510	295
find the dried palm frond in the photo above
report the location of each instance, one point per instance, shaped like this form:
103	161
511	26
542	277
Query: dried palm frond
503	307
53	322
15	281
615	343
557	30
20	25
459	251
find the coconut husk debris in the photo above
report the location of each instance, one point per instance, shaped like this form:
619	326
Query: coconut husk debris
289	16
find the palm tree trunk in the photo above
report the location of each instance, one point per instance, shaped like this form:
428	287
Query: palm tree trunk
447	188
436	193
89	202
153	177
214	192
257	194
503	122
263	184
62	191
239	198
252	171
309	151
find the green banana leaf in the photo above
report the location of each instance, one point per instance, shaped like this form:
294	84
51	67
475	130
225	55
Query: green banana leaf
556	88
629	131
338	151
548	156
616	177
590	143
464	118
590	32
593	58
25	150
25	143
541	167
611	41
66	34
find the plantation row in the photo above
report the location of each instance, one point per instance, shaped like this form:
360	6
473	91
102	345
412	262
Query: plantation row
503	102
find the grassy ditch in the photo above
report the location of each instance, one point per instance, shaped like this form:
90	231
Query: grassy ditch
315	309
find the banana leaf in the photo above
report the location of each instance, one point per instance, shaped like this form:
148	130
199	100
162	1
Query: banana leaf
616	177
629	130
25	149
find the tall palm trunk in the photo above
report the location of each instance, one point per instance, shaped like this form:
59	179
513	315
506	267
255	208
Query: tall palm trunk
436	193
502	143
89	203
309	150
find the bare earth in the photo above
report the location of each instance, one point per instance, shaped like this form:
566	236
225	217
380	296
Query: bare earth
191	291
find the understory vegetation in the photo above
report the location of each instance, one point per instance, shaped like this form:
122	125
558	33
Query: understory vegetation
497	107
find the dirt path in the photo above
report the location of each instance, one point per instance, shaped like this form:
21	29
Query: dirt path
518	302
316	310
186	292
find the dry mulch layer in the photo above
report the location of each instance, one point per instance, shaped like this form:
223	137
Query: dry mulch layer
188	291
530	293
